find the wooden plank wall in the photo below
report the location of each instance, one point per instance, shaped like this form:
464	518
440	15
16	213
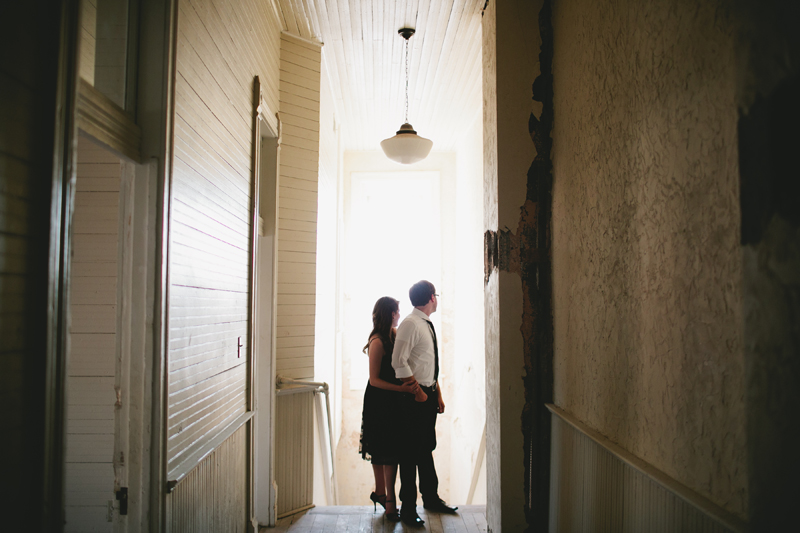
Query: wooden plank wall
110	75
103	47
88	39
221	46
19	183
32	96
297	257
297	206
91	372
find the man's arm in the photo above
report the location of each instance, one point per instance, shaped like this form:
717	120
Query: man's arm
441	400
403	342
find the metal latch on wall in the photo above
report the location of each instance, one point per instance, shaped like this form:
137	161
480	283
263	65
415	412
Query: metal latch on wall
122	496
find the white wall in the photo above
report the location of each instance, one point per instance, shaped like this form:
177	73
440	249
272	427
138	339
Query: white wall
468	396
326	352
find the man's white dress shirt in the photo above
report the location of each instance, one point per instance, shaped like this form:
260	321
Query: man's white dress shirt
413	349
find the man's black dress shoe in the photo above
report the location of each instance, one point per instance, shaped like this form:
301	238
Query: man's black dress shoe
438	506
411	518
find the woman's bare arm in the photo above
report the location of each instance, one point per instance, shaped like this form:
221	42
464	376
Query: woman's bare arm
375	356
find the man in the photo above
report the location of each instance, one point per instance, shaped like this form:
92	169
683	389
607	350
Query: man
416	357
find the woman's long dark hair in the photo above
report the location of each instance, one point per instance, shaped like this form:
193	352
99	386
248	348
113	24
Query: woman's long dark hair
382	313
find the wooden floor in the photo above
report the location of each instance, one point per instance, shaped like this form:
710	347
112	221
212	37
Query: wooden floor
362	519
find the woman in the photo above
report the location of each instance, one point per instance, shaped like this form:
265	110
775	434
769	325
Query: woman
379	439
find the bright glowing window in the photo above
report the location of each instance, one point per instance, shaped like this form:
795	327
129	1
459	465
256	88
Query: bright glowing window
394	240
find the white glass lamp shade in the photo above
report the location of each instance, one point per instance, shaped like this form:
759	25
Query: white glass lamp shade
406	147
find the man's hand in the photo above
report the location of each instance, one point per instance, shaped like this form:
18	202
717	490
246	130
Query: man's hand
411	386
419	394
441	404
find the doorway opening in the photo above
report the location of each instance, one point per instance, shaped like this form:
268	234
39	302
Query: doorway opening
400	226
392	242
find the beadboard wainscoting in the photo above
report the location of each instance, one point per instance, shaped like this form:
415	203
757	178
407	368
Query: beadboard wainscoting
294	452
213	496
597	486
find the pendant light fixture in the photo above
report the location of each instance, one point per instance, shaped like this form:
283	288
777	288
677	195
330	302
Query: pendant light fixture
406	147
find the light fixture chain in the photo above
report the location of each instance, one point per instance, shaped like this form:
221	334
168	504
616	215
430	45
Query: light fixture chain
406	81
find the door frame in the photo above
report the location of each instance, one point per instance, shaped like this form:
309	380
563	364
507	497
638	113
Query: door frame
263	284
148	141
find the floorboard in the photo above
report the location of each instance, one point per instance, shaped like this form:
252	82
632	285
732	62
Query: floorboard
362	519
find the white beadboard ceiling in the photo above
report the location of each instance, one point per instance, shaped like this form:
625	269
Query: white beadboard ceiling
364	56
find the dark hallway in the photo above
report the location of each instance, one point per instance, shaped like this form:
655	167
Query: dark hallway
636	193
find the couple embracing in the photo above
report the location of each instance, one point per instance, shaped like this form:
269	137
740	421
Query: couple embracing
401	402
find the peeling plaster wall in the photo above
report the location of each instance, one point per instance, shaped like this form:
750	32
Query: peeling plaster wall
491	289
647	285
510	66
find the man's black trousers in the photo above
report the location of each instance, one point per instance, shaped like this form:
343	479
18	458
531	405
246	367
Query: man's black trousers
419	435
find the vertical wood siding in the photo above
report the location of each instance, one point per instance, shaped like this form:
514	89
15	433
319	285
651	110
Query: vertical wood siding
592	489
294	449
213	497
221	46
297	201
91	372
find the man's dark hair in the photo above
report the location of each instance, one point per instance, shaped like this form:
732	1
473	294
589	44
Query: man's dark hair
420	293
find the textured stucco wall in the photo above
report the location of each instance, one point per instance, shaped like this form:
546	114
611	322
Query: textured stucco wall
647	286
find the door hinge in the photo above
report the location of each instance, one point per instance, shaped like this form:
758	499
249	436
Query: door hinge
122	496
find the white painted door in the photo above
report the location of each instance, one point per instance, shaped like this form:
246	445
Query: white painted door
92	379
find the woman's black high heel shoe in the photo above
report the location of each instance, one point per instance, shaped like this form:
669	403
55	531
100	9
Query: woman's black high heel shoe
378	499
392	516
